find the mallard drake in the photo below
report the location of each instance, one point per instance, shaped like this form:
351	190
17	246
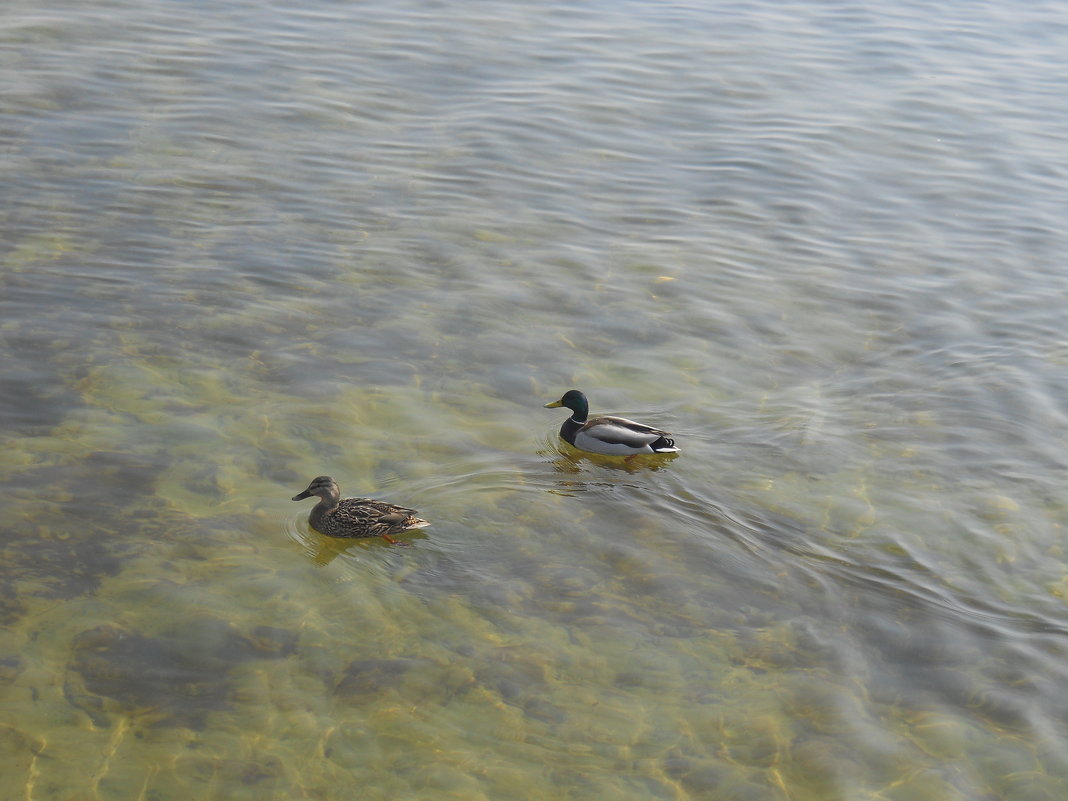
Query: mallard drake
610	435
355	517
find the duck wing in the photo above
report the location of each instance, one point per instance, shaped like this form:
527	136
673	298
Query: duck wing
380	507
623	432
376	518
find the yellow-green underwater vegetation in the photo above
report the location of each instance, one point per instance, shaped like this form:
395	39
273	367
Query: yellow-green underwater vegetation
254	246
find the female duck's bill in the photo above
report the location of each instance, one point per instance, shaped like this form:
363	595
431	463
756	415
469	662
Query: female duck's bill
616	436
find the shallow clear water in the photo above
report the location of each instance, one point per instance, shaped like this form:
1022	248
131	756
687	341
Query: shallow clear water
820	242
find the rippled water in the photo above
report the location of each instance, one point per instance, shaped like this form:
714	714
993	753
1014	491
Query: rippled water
821	242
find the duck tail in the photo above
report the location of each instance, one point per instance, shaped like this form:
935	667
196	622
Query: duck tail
664	445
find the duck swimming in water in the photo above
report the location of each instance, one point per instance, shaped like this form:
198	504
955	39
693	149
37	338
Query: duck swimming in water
615	436
335	516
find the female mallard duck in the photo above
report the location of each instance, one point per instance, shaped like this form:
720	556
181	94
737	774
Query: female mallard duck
355	517
611	435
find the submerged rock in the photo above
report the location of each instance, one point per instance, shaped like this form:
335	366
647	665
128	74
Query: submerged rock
415	679
371	676
175	680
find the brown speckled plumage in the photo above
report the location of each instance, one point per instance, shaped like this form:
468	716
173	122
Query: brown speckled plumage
355	517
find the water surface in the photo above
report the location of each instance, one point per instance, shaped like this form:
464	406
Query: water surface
820	242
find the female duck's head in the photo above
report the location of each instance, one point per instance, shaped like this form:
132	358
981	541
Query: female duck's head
574	400
323	486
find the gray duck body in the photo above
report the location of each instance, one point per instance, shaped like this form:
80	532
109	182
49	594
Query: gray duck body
614	436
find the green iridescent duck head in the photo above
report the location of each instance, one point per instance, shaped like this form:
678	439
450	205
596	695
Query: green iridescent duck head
574	400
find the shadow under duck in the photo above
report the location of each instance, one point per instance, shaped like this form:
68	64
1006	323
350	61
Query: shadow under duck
616	436
335	516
